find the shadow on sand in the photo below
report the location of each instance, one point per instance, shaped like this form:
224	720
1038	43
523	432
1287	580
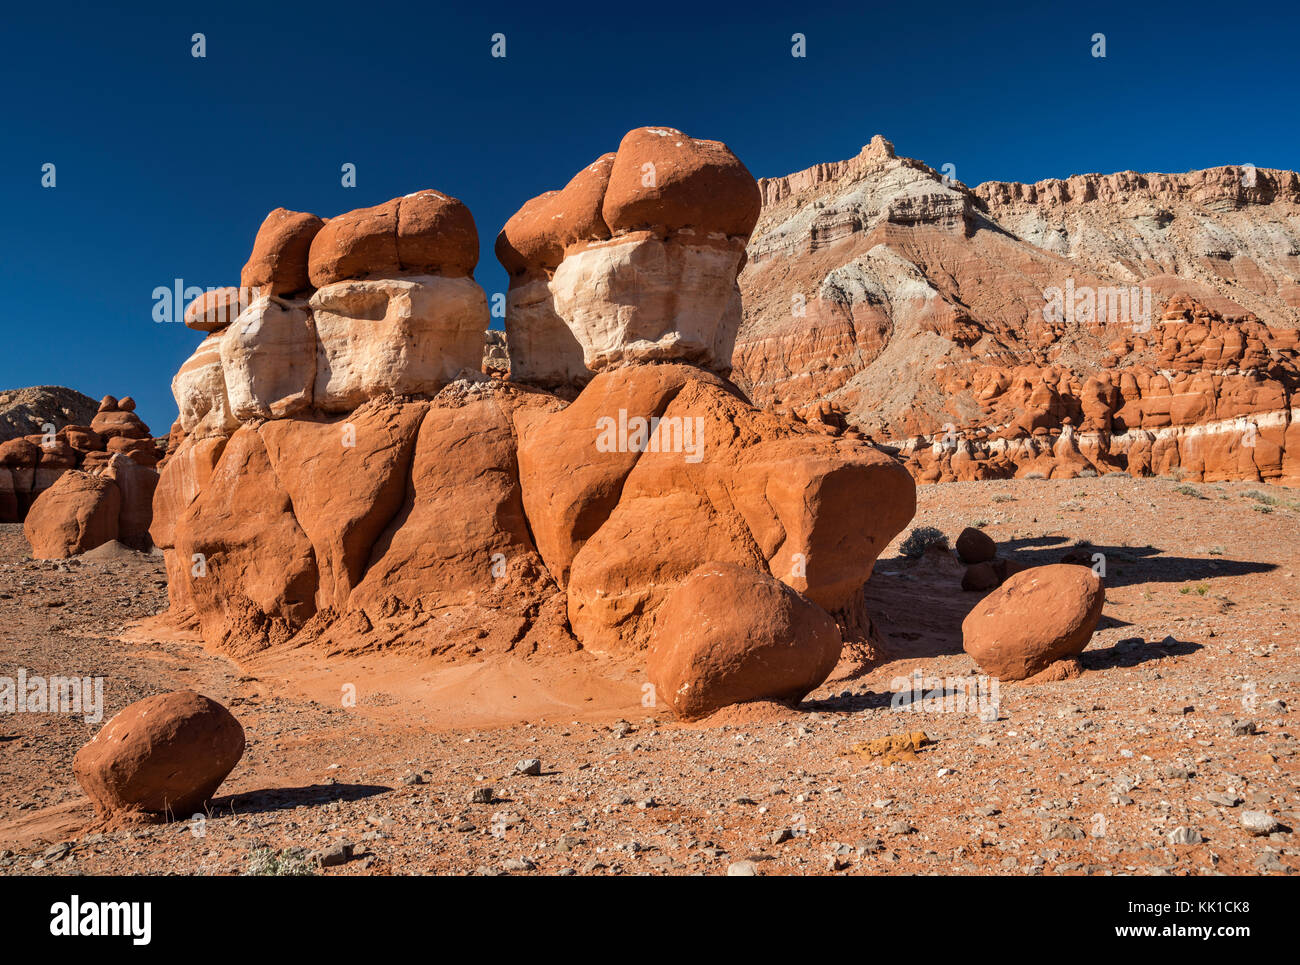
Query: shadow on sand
284	798
1129	652
1133	651
1127	565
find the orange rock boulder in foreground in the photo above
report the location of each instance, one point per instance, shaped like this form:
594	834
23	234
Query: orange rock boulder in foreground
77	513
1037	617
161	758
730	634
345	476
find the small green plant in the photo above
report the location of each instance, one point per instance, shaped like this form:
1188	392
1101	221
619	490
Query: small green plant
290	863
980	523
1202	590
921	539
1262	509
1189	491
1268	499
1003	498
1184	590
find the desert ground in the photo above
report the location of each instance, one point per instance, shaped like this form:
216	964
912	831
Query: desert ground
1183	720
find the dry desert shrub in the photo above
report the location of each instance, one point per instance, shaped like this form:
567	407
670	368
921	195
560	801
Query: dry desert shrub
920	539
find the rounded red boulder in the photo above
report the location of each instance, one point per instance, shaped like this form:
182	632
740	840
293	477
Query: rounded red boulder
278	264
211	312
729	634
161	757
976	546
77	513
1038	616
423	233
664	179
537	236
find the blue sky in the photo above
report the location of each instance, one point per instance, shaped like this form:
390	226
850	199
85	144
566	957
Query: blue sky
166	163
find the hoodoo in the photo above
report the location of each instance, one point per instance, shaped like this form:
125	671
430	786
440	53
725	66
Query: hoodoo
347	475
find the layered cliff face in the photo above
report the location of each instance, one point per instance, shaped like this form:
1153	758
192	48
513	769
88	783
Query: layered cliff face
1228	236
1197	395
881	295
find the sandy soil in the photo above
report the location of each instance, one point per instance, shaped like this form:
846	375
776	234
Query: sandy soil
1143	764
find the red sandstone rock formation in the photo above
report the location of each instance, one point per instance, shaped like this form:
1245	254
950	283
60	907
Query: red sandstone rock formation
935	316
425	233
77	513
116	445
1211	397
279	262
344	476
212	311
766	493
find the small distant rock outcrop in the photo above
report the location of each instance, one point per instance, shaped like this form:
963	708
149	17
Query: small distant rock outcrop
78	484
160	759
346	476
25	411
